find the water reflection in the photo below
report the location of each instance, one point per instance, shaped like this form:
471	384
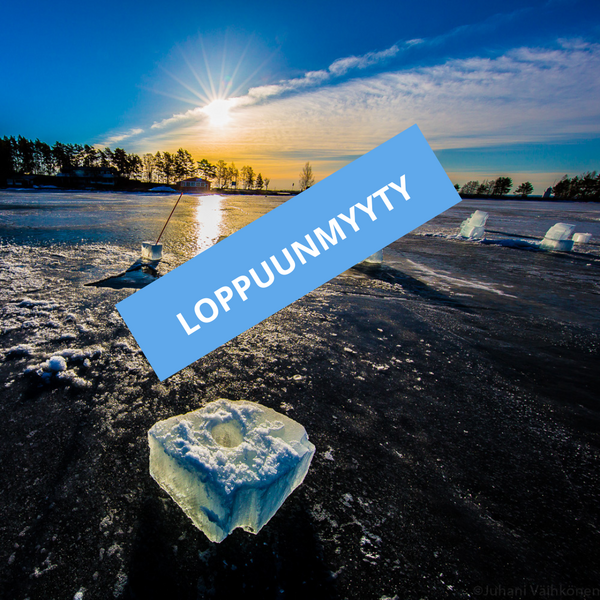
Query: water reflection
209	216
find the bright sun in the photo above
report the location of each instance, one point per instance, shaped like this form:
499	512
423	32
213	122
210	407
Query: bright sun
218	112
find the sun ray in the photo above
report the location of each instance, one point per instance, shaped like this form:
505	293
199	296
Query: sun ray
187	87
222	86
208	73
205	89
193	102
242	87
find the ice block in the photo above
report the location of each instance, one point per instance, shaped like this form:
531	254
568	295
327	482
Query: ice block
229	464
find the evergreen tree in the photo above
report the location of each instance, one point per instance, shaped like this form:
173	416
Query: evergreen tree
184	164
206	170
524	190
501	186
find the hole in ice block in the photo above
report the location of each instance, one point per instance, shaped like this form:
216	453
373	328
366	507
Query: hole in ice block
227	434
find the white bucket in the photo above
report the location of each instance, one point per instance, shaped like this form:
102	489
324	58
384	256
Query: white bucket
151	251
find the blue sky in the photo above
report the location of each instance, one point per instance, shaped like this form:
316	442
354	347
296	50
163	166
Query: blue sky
496	87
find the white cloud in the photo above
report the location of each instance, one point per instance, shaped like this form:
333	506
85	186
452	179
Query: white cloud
119	137
525	95
311	79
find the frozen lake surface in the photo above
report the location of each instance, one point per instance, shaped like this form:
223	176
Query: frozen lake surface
37	217
452	396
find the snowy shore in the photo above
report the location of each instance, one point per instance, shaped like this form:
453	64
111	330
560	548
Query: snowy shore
451	396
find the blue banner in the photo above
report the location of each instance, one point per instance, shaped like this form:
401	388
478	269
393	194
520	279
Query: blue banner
288	252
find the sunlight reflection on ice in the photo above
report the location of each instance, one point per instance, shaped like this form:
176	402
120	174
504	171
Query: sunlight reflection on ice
208	217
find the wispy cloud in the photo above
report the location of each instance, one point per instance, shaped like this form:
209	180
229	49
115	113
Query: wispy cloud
117	138
525	94
311	79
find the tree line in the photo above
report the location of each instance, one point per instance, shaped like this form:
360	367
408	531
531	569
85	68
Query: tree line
581	187
20	156
492	187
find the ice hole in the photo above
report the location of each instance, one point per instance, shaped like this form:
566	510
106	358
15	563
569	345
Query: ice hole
228	434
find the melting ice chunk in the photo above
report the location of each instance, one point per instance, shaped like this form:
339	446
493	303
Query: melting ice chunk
582	238
474	226
374	259
229	464
557	238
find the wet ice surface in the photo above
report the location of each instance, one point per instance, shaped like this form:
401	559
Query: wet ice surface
451	395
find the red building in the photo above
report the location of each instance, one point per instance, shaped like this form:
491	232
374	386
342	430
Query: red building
193	184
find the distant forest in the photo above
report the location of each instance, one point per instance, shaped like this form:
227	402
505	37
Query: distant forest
584	187
20	156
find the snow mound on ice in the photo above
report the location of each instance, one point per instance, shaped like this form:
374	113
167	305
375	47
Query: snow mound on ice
55	364
162	188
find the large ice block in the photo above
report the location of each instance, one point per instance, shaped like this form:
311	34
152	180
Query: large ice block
474	226
557	238
229	464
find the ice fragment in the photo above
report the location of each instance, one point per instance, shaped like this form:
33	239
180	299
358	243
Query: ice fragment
474	227
229	464
557	238
374	259
582	238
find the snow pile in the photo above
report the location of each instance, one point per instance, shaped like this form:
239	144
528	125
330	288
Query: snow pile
57	369
474	227
55	364
20	351
77	355
45	370
557	238
45	305
162	188
229	464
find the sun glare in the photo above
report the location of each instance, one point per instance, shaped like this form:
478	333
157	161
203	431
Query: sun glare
218	112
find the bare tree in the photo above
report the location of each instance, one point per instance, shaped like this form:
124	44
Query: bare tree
306	177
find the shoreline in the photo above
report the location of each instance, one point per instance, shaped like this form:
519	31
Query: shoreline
274	193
